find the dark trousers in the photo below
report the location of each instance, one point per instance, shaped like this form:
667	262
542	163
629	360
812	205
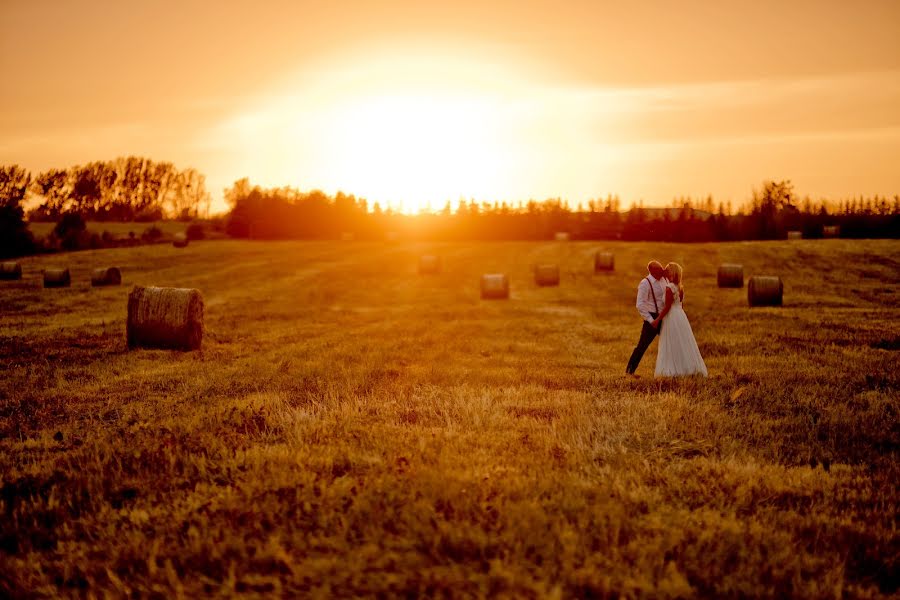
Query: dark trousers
648	332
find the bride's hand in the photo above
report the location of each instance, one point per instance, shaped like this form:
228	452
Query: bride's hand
655	323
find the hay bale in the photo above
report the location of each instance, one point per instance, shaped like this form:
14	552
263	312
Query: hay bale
494	286
10	271
429	264
546	275
831	231
180	240
604	261
391	236
765	291
165	318
561	236
795	235
106	276
730	276
54	278
347	236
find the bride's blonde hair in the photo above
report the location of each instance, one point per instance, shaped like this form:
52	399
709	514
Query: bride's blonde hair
674	273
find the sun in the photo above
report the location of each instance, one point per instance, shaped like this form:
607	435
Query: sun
411	132
416	150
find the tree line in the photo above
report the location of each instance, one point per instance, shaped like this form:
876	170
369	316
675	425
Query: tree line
129	188
125	189
775	209
139	189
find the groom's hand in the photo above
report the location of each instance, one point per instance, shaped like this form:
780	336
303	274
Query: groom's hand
655	324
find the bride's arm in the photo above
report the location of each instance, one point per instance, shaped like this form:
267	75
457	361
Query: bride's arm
669	299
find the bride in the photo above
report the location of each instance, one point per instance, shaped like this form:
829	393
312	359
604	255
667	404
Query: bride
678	352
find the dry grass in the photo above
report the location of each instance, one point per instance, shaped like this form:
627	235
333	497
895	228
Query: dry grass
351	428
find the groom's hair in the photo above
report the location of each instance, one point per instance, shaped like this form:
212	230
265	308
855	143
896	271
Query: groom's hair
654	263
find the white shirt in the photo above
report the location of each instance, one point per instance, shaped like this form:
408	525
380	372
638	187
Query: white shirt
645	304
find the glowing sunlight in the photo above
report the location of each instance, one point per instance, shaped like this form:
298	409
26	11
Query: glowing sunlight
398	131
416	149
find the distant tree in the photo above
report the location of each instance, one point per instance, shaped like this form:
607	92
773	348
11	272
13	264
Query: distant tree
86	194
192	188
14	182
152	234
159	181
767	204
237	192
195	231
15	239
187	196
53	186
71	231
131	177
123	189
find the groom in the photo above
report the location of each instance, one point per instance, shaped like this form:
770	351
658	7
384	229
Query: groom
650	300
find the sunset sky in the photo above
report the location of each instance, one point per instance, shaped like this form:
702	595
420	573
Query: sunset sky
416	103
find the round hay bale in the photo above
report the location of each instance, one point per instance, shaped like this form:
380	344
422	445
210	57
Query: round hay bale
54	278
730	276
546	275
391	236
10	271
180	240
604	261
106	276
165	318
561	236
494	286
831	231
429	264
795	235
765	291
347	236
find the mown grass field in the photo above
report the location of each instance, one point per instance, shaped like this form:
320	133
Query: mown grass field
353	428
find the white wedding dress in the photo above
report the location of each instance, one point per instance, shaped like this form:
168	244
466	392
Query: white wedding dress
678	352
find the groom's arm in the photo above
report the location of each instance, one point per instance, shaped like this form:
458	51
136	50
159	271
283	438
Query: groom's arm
642	305
670	298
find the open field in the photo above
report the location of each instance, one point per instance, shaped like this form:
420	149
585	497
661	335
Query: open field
352	428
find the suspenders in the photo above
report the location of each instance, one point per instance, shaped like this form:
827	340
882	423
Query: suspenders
655	303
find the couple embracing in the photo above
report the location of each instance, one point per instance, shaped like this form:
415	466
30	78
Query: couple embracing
659	299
